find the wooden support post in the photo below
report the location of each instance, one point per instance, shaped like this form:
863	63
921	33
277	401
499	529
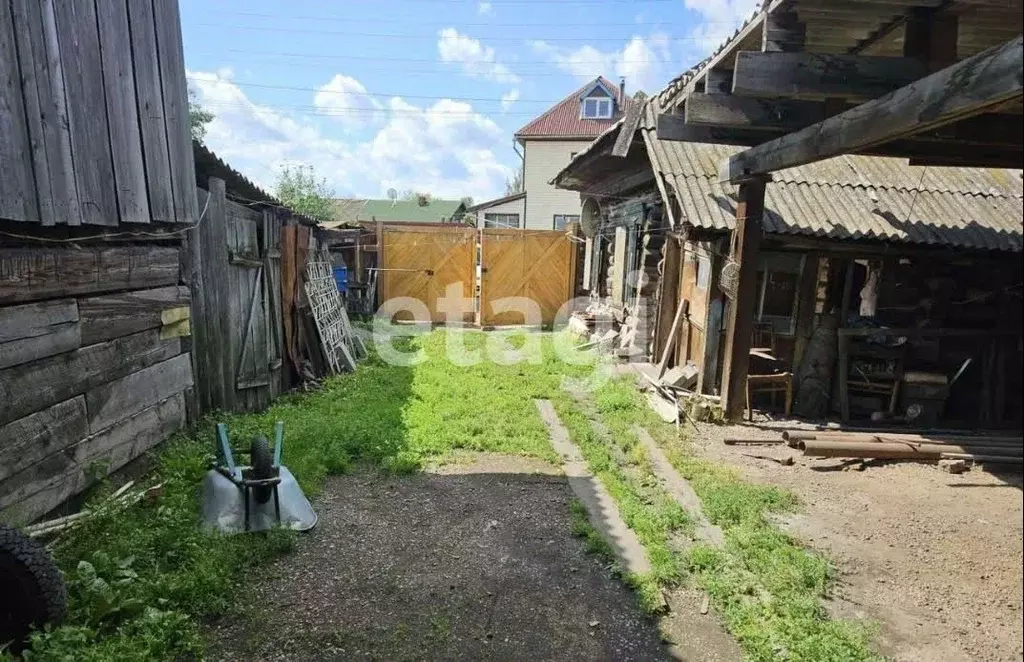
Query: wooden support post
806	294
749	210
843	378
707	381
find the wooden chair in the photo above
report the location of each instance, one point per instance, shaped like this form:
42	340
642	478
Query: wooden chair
762	353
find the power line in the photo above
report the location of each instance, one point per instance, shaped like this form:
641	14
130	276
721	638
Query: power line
430	36
317	111
386	58
482	24
373	94
447	71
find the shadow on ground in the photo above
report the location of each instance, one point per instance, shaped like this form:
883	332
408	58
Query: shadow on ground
456	566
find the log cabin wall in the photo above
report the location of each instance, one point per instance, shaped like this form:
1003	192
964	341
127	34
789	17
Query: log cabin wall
95	367
97	190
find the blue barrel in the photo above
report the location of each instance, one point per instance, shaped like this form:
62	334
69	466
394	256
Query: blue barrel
341	278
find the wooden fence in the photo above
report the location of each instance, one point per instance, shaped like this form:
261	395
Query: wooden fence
94	126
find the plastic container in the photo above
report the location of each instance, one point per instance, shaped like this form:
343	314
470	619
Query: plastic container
341	278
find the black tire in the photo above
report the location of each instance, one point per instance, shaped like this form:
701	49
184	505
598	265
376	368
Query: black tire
32	591
262	467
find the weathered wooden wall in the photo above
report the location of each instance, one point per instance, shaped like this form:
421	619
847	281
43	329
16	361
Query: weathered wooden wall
234	273
91	376
94	126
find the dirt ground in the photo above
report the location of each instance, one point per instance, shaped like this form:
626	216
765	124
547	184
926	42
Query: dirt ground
935	559
474	563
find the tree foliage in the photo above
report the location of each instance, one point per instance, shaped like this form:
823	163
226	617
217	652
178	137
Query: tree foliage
198	117
514	185
302	191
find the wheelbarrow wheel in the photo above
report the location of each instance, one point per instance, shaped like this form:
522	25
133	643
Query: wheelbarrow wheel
262	467
32	591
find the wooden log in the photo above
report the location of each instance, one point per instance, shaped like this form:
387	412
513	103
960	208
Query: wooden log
820	75
682	310
87	112
749	211
674	127
17	185
35	319
39	493
726	110
149	99
114	315
967	88
28	274
783	31
117	400
30	387
171	58
27	440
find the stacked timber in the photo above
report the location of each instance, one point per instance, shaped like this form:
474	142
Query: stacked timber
94	366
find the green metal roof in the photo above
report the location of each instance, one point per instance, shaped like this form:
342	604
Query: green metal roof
400	211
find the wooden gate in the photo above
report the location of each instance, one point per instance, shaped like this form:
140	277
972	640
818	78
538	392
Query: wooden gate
421	263
536	264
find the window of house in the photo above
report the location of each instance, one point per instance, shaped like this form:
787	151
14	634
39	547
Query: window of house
561	220
597	108
501	220
778	277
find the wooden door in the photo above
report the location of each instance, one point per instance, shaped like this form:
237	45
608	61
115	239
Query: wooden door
536	264
422	262
250	337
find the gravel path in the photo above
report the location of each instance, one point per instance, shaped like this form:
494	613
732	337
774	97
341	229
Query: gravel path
440	566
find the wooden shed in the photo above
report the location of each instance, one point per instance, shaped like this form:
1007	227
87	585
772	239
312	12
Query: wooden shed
864	273
97	190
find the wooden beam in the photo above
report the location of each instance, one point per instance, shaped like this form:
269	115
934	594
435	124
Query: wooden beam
629	125
674	127
967	88
820	75
726	111
747	239
783	32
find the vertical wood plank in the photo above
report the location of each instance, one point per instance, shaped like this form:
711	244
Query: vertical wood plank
34	85
18	200
167	22
149	96
56	125
201	365
79	40
215	264
122	112
749	210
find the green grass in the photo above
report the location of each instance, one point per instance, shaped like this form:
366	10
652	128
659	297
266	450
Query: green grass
155	576
768	588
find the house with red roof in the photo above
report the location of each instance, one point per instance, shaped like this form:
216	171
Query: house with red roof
548	143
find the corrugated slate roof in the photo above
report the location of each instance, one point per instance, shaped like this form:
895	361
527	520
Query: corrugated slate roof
563	119
435	210
850	197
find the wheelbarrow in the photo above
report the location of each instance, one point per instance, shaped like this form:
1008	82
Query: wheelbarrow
257	497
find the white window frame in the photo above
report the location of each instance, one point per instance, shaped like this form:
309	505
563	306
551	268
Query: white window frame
566	220
602	108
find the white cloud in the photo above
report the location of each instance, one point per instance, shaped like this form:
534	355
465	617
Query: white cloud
646	62
345	99
509	98
476	60
484	8
722	17
446	148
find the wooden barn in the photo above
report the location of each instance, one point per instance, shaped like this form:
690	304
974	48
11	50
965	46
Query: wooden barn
97	189
786	217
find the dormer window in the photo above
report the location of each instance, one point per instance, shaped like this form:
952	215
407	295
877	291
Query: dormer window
596	108
597	101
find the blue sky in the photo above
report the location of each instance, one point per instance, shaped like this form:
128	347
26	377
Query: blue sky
420	94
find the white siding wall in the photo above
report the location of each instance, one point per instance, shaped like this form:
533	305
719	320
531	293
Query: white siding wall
544	160
511	207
